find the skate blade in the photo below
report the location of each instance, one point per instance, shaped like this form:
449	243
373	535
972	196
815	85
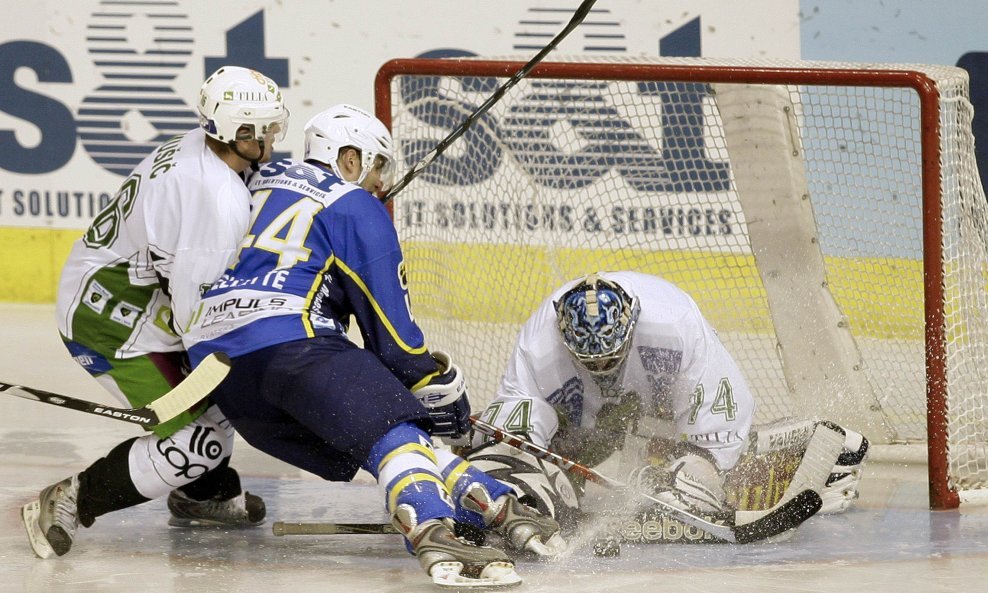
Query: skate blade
29	516
550	549
495	575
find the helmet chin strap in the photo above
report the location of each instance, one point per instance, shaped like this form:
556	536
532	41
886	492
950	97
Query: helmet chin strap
254	162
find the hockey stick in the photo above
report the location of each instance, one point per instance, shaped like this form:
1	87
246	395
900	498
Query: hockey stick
286	528
788	514
196	386
578	16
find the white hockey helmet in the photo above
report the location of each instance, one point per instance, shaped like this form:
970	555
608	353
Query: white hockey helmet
233	97
596	318
344	125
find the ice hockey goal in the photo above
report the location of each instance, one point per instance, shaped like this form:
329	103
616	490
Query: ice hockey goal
828	218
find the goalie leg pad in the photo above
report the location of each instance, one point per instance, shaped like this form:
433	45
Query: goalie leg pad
813	472
538	484
841	488
776	450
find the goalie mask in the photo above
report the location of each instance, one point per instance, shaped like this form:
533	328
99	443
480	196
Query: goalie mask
240	104
596	318
344	125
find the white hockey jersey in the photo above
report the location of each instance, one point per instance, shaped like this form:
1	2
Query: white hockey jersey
689	386
132	281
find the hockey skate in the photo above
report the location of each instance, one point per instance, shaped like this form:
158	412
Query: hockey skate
243	510
52	520
521	526
451	561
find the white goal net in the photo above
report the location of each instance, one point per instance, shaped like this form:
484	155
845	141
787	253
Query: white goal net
828	219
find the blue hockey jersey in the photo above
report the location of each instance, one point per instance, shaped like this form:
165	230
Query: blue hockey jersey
318	250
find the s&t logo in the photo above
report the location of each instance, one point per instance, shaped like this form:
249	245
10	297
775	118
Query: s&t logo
137	50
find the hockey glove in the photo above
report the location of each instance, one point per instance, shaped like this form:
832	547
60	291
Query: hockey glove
445	398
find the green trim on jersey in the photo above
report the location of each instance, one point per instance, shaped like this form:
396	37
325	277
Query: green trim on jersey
111	310
107	316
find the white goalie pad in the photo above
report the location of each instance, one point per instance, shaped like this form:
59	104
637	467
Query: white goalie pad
842	485
814	469
537	483
776	450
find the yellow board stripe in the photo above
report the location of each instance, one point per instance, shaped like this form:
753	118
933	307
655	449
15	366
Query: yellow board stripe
31	260
408	480
881	296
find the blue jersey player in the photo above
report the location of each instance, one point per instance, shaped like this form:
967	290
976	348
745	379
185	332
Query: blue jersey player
320	249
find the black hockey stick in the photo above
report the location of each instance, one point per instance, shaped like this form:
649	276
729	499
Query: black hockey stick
783	517
287	528
581	12
196	386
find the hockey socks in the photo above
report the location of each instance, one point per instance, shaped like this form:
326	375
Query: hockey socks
106	486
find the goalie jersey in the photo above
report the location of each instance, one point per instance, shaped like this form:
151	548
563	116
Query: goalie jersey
678	381
319	250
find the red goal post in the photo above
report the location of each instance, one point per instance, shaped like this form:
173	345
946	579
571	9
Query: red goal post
827	217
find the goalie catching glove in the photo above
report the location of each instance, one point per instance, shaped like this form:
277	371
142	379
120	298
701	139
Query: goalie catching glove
445	398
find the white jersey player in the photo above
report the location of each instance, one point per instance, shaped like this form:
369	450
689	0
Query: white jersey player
616	353
128	290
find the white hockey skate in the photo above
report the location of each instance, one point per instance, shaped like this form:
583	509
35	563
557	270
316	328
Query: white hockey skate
52	520
521	526
243	510
453	562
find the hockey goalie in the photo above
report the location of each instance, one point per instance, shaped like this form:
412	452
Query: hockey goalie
626	362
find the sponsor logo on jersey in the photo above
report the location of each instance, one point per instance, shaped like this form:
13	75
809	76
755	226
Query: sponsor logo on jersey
96	297
237	307
125	314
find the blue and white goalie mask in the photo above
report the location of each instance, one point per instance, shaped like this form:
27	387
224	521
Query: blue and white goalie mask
596	318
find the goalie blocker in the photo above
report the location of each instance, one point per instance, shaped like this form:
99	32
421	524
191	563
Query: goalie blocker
776	456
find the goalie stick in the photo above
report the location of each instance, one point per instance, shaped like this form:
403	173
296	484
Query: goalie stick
195	387
578	16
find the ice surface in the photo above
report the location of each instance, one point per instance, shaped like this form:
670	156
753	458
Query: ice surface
889	542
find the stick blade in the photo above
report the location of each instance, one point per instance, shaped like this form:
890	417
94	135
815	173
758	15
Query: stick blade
194	388
788	516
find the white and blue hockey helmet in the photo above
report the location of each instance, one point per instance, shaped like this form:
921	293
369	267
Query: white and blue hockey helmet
596	318
241	104
343	126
